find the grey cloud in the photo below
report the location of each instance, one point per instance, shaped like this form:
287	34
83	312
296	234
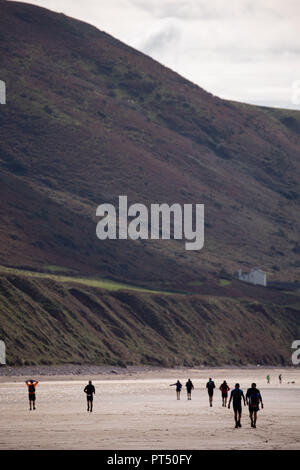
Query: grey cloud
189	9
166	38
218	9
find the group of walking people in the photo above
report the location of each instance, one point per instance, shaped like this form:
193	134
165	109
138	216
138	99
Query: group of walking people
189	387
253	398
269	378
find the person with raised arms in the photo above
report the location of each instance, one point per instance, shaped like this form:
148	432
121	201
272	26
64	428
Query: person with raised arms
31	385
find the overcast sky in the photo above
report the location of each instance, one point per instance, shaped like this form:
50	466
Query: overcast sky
246	50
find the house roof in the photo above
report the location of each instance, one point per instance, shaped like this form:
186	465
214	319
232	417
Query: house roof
257	270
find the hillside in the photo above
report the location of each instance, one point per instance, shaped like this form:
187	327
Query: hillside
88	119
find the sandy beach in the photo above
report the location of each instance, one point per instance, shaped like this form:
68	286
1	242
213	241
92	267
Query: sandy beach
140	411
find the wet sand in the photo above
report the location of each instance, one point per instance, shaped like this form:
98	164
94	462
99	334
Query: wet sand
140	411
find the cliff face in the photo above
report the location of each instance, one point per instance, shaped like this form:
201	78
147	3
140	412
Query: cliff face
47	322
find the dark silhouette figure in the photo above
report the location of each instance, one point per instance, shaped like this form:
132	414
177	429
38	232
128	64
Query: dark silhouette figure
178	388
254	398
90	391
210	390
224	390
236	397
189	387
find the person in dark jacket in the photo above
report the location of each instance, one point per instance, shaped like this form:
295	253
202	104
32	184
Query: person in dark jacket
178	388
254	399
236	397
210	390
189	387
90	391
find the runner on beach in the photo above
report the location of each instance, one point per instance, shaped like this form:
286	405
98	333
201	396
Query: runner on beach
236	397
224	390
31	384
254	398
178	388
268	379
90	391
189	387
210	390
280	378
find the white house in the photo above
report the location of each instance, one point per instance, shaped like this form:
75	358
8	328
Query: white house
256	276
2	353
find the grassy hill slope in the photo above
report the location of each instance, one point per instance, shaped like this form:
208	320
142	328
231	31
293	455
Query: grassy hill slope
48	322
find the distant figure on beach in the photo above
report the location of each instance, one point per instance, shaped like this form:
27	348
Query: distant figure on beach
90	391
280	378
178	388
31	384
224	391
268	379
189	387
254	398
210	390
236	397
